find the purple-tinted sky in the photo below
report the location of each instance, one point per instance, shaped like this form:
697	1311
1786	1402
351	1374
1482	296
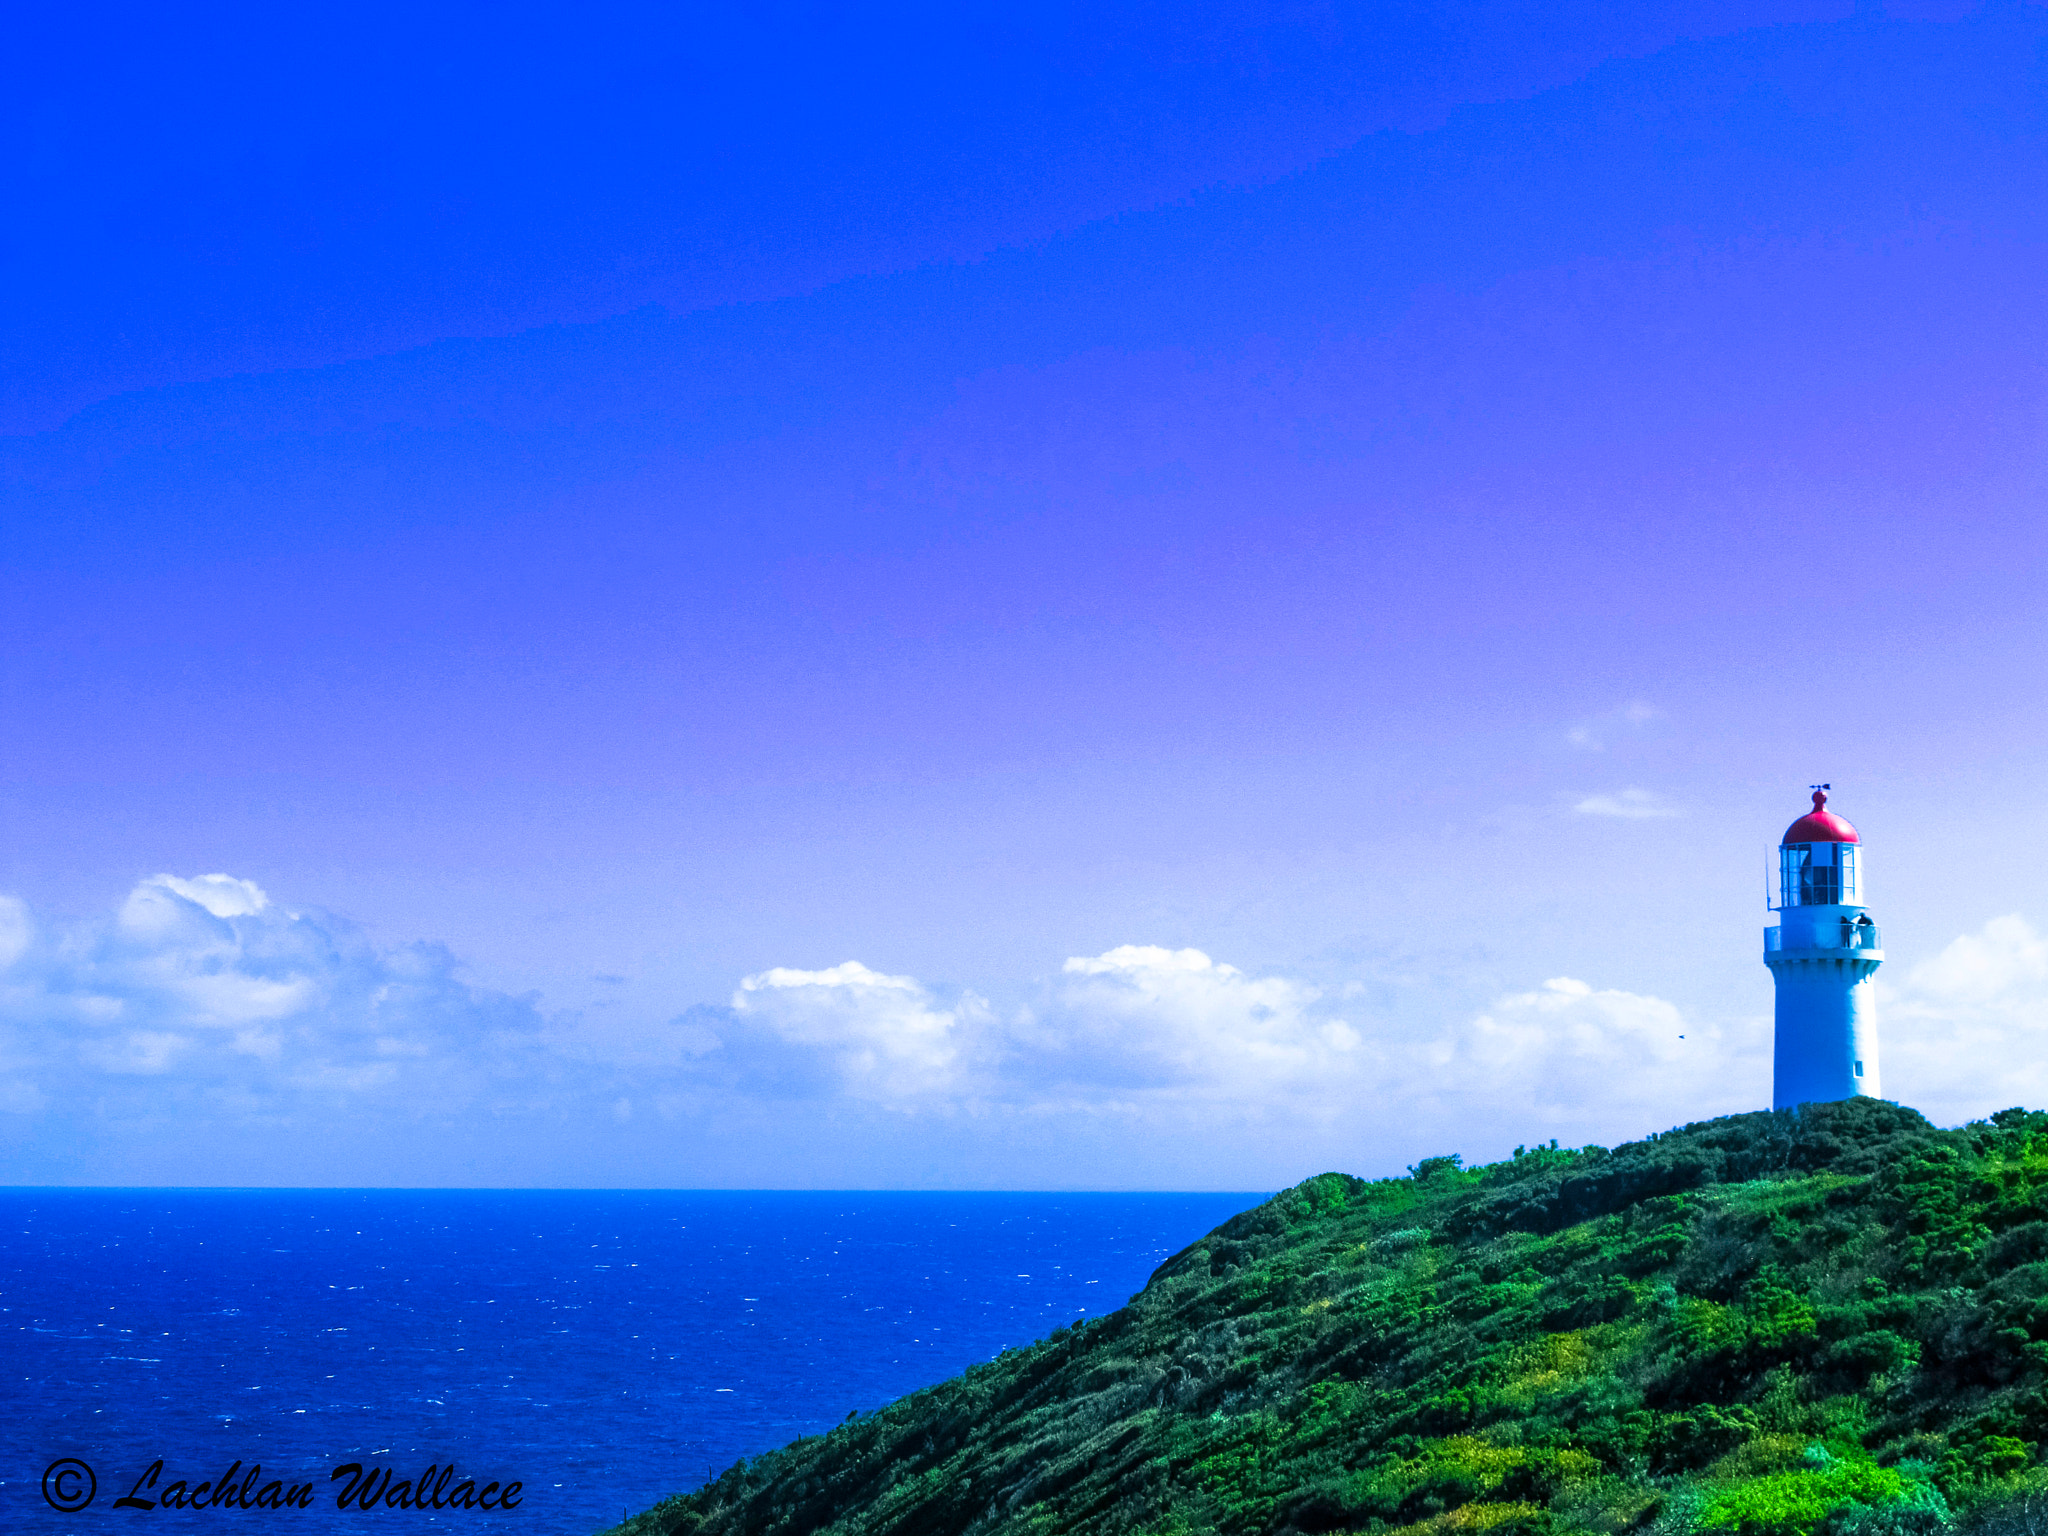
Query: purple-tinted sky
1122	597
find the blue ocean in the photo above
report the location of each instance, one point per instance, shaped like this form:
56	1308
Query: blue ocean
600	1349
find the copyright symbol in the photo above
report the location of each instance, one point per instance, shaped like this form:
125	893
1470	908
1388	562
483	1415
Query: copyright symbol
68	1484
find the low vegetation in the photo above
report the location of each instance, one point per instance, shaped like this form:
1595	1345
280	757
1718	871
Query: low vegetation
1825	1323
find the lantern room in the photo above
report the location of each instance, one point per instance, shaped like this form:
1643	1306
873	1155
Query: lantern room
1820	860
1819	875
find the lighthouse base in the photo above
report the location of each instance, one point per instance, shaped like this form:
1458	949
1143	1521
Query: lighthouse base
1825	1045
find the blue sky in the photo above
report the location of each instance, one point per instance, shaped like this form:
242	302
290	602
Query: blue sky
1106	598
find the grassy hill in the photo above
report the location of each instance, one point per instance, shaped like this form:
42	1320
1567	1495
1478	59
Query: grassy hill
1833	1321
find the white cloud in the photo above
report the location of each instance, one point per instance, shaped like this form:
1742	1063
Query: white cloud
1144	1029
1147	960
205	986
1150	1036
880	1038
1965	1033
1627	804
164	904
1569	1054
222	895
1144	1021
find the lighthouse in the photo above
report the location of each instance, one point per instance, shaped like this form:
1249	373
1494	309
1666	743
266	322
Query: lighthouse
1822	955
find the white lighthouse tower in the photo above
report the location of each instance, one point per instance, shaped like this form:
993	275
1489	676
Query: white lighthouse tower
1822	955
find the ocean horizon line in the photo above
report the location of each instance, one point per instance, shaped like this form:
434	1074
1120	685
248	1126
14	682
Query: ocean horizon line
595	1189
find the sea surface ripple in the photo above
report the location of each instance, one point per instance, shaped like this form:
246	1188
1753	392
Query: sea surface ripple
605	1348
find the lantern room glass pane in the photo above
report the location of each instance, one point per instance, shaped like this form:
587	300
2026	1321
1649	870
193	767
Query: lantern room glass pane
1812	875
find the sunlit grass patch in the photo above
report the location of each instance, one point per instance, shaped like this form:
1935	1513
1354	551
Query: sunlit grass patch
1796	1501
1470	1517
1762	1456
1558	1362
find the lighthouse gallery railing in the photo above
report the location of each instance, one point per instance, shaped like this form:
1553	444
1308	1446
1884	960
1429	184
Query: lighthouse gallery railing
1850	936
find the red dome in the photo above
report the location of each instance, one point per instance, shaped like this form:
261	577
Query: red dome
1819	825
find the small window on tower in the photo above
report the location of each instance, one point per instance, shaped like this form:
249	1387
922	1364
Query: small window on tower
1859	1069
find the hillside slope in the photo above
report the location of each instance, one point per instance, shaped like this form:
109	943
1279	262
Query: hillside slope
1772	1324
